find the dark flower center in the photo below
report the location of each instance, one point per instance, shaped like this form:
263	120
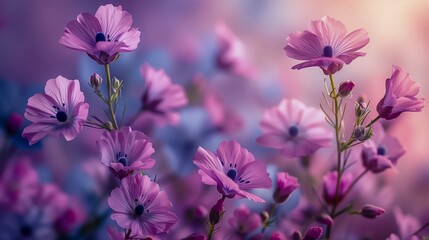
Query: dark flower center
232	173
293	131
61	116
381	151
26	231
123	161
100	37
138	210
328	51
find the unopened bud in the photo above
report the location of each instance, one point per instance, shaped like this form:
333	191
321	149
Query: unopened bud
371	211
216	212
95	81
325	219
361	108
108	126
345	88
117	84
264	216
297	235
313	233
361	133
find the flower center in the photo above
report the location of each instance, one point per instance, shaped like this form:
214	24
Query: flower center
138	210
61	116
232	173
123	160
100	37
381	151
328	51
293	131
26	231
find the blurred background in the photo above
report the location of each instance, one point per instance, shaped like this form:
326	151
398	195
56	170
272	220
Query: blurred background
183	38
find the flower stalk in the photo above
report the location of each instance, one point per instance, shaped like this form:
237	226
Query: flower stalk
109	97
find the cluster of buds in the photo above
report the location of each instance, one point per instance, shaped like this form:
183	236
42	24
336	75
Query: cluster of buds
360	132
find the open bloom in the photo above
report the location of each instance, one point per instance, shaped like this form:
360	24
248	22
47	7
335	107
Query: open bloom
381	151
139	205
234	170
125	151
330	186
102	36
294	128
325	44
401	95
161	98
60	111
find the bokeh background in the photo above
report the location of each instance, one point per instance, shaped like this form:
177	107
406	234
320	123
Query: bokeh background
180	37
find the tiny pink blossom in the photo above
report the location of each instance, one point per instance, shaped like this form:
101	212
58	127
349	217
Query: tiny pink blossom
243	221
330	185
295	129
381	152
102	36
125	151
60	111
139	205
401	95
325	44
161	97
286	184
234	170
277	235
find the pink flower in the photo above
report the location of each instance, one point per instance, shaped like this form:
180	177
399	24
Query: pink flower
330	185
139	205
60	111
243	221
381	151
234	170
277	235
161	98
102	36
294	128
325	44
125	151
401	95
286	184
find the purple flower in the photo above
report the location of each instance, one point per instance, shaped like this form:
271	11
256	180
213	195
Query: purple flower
286	184
295	129
102	36
401	95
234	170
243	221
61	110
371	211
125	151
313	233
161	98
277	235
325	44
381	152
330	185
139	205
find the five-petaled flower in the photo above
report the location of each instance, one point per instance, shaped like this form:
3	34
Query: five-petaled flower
325	44
102	36
234	170
60	111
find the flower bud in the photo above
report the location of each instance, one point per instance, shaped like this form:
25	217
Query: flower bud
313	233
117	84
297	235
13	123
285	186
277	235
361	108
330	193
362	134
216	212
325	219
371	211
345	88
264	216
95	81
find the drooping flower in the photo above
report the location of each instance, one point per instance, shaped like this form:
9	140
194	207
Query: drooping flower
60	111
294	128
102	36
330	186
139	205
161	97
381	151
242	222
401	95
125	151
234	170
325	44
286	184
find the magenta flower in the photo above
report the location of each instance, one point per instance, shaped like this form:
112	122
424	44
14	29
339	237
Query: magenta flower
102	36
330	185
325	44
60	111
139	205
294	128
401	95
125	151
381	152
234	170
161	98
286	184
371	211
243	222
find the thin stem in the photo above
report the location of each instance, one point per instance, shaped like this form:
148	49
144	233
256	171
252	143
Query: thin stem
373	121
211	230
267	221
418	230
109	97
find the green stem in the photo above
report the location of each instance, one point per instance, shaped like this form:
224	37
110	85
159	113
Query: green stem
355	181
267	221
373	121
211	230
109	97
